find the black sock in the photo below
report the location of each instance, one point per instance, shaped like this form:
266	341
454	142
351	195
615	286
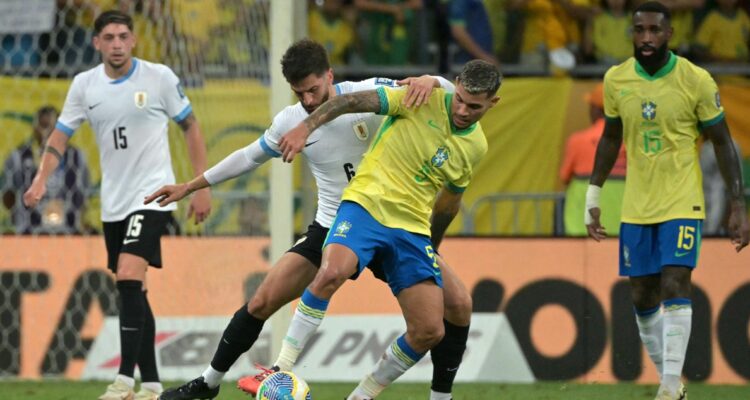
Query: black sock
132	316
447	355
147	355
240	334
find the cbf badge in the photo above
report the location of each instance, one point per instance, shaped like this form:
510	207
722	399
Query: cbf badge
360	129
141	98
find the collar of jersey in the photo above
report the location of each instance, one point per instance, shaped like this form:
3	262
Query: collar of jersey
663	71
126	76
454	129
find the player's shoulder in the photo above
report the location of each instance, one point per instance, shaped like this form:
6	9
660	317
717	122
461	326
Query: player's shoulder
691	73
290	116
367	84
153	68
620	71
88	76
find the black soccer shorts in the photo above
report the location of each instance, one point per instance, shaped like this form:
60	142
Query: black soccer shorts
138	234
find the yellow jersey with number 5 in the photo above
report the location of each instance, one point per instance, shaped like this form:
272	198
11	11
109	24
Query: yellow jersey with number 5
661	116
415	153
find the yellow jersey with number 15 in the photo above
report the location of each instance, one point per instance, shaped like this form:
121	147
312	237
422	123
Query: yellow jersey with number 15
661	115
415	153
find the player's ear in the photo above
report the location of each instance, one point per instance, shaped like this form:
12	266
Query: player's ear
494	100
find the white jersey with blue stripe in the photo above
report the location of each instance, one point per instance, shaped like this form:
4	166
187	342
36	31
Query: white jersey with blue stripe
129	116
334	150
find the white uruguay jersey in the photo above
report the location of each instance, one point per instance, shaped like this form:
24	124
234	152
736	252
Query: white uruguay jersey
130	116
334	150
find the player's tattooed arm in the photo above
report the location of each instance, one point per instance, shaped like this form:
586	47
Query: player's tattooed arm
186	123
607	151
367	101
445	209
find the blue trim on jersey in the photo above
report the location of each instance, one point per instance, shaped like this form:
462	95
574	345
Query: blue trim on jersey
383	101
313	301
677	301
183	114
408	351
713	121
64	128
338	89
267	149
646	313
453	188
126	76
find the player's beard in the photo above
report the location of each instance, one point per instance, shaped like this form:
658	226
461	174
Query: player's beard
311	109
655	59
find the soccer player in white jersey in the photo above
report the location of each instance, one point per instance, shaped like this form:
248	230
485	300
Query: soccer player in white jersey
333	154
128	103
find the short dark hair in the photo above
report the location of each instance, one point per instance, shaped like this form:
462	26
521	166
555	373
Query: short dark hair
480	76
654	7
44	110
303	58
112	17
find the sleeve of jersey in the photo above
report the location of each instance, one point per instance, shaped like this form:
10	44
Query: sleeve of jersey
476	153
241	161
74	110
391	101
457	12
708	108
282	123
173	97
611	111
372	84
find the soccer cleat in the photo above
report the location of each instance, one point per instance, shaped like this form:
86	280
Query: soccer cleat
146	394
118	390
197	389
665	394
251	384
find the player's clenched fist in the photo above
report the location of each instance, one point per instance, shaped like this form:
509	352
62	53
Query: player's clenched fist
34	194
293	142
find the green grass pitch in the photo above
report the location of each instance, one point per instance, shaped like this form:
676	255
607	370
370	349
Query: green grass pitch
73	390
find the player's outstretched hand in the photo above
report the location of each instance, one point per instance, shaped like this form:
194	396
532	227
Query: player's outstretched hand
595	228
34	194
293	142
168	194
200	206
739	228
419	90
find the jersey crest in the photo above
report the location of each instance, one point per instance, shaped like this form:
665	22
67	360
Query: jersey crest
648	110
360	129
440	157
141	98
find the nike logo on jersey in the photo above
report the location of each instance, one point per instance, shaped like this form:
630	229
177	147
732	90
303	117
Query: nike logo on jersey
312	143
128	241
433	124
94	106
681	253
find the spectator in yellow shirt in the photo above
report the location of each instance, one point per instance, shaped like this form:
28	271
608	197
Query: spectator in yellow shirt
608	36
723	35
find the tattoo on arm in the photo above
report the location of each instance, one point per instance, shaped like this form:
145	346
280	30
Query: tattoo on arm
186	123
367	101
53	151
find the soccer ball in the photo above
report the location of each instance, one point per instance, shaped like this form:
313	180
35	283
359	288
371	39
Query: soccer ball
283	385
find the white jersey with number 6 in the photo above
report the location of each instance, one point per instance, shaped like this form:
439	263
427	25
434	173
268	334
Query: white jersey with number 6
129	116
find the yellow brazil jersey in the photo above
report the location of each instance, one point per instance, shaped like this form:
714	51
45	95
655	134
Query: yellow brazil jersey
660	116
415	153
724	36
337	36
612	37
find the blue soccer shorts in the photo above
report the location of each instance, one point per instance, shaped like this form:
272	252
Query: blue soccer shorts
405	258
646	249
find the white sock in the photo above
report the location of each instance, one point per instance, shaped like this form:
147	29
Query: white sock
650	327
130	381
440	396
398	358
212	377
155	387
678	318
307	318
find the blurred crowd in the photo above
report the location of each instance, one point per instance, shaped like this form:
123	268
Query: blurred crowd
533	33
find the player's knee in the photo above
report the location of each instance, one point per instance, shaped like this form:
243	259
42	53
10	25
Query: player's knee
672	288
428	336
261	307
458	306
329	280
